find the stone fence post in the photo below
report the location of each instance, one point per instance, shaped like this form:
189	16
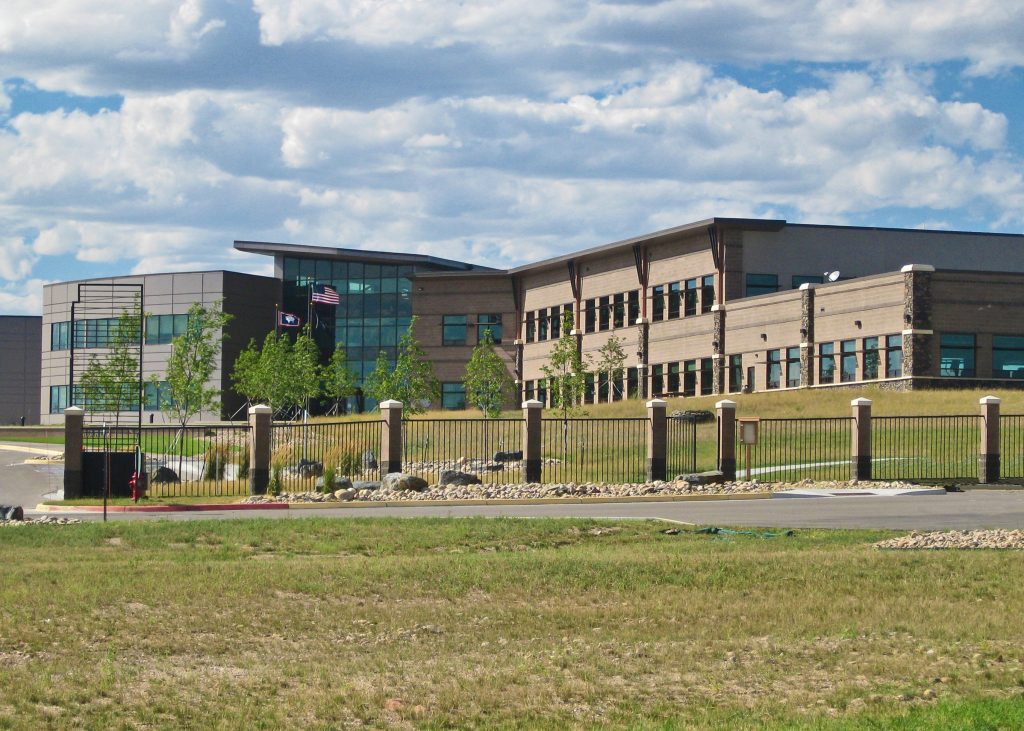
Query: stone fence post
391	437
656	440
727	439
860	438
74	422
988	451
532	411
260	425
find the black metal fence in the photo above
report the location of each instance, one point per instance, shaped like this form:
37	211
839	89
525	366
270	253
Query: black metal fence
491	449
300	453
594	450
1011	446
925	447
680	446
197	461
789	450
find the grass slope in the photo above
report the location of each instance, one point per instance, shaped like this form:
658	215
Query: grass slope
424	623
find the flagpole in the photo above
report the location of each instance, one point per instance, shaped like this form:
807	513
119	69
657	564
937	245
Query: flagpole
277	320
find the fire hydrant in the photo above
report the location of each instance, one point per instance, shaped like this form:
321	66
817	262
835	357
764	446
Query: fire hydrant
138	485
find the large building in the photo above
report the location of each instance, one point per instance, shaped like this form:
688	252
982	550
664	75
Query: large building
20	345
713	307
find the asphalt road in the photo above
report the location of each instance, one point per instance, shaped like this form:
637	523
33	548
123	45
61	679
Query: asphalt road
27	485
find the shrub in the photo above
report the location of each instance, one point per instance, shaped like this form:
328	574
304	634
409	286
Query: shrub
216	459
243	464
346	459
328	480
274	487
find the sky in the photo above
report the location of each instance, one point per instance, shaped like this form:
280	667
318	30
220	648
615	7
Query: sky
148	136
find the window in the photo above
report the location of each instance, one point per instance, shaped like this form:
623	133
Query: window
690	378
603	313
454	329
161	329
707	383
774	368
634	306
528	391
453	396
588	388
60	337
707	293
893	356
619	310
602	387
848	366
590	316
762	284
956	355
658	303
827	363
735	373
799	279
488	322
657	380
870	359
531	327
156	395
542	324
792	367
690	298
542	391
632	382
673	300
673	378
58	399
1007	356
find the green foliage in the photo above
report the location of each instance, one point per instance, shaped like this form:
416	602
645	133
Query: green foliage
566	371
338	379
192	362
216	460
328	486
280	374
411	381
304	370
110	383
487	381
611	359
274	486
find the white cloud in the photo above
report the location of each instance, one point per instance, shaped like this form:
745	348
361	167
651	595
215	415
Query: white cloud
16	258
23	297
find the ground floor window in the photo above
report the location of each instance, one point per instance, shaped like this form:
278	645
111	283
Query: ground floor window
827	363
690	378
453	396
706	376
58	399
793	367
657	380
632	382
735	373
1008	356
848	365
956	355
869	362
673	378
893	356
157	395
774	379
528	392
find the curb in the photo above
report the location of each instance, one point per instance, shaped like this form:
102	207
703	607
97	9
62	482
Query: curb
199	507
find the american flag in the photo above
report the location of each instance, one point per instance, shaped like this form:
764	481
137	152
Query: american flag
325	294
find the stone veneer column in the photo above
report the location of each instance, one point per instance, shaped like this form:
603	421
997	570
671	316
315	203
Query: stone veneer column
727	439
718	378
988	450
532	411
74	423
391	436
806	334
656	439
643	335
917	319
260	425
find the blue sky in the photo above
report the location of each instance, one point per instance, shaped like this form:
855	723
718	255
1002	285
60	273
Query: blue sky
143	137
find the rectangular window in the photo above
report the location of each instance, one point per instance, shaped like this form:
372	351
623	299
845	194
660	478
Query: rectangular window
735	373
160	329
556	322
488	322
542	324
870	359
634	307
707	384
156	396
774	368
1007	356
59	336
528	391
799	279
707	293
657	380
590	316
792	367
762	284
531	327
848	365
588	388
893	356
827	363
658	303
956	355
690	378
632	383
602	387
619	310
603	314
453	396
674	295
542	391
673	378
454	330
58	399
690	298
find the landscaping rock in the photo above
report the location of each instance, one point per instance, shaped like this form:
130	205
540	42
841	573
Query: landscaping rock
453	477
366	484
958	539
349	494
400	481
369	460
165	474
309	468
340	483
507	456
11	512
711	477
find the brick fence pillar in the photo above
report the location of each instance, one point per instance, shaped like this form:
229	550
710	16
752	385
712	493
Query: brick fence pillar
390	437
532	411
260	425
860	447
656	439
727	438
988	451
74	422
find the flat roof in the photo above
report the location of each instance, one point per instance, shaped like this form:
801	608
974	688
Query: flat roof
115	277
375	257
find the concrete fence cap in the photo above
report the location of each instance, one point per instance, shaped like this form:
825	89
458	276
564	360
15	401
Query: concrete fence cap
725	404
532	404
657	403
74	410
989	400
260	409
917	268
390	404
861	402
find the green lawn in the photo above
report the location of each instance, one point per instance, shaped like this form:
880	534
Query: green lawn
482	623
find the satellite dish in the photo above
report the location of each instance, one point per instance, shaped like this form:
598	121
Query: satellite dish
832	276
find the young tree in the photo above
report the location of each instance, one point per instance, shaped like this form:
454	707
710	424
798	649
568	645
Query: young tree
245	374
412	381
304	371
192	362
110	384
265	374
566	371
339	380
611	359
487	381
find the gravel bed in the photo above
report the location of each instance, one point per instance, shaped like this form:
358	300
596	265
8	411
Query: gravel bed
41	520
562	490
1004	539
